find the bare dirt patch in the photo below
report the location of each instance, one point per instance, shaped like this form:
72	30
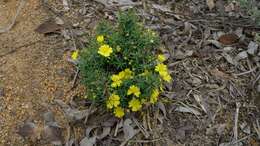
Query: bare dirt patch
33	69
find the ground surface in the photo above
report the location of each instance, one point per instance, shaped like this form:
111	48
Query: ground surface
33	74
208	91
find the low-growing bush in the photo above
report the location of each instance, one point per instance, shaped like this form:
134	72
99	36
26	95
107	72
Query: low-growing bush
120	68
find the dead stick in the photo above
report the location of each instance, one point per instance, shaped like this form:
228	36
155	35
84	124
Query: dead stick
236	121
75	78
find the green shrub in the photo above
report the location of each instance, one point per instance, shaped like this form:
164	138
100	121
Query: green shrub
119	67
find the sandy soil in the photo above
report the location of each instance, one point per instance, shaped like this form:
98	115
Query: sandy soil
33	74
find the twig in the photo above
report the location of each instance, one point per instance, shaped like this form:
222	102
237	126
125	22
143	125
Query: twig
21	4
75	78
240	140
91	110
107	4
128	140
138	141
246	72
255	81
238	91
143	130
236	121
257	128
185	105
149	121
117	126
68	133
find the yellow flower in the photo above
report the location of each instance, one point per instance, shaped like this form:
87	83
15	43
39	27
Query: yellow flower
163	71
116	84
167	77
100	38
113	101
119	112
105	50
135	105
161	58
134	90
161	68
116	81
121	75
154	96
74	55
128	73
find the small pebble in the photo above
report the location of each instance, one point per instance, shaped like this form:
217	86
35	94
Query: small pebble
228	49
252	48
59	21
83	11
241	55
76	24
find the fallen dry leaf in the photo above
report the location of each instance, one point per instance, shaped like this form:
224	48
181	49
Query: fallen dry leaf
161	106
105	133
228	39
215	43
220	74
48	26
211	4
89	129
73	114
229	59
88	141
163	8
27	130
52	134
129	131
187	110
203	104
